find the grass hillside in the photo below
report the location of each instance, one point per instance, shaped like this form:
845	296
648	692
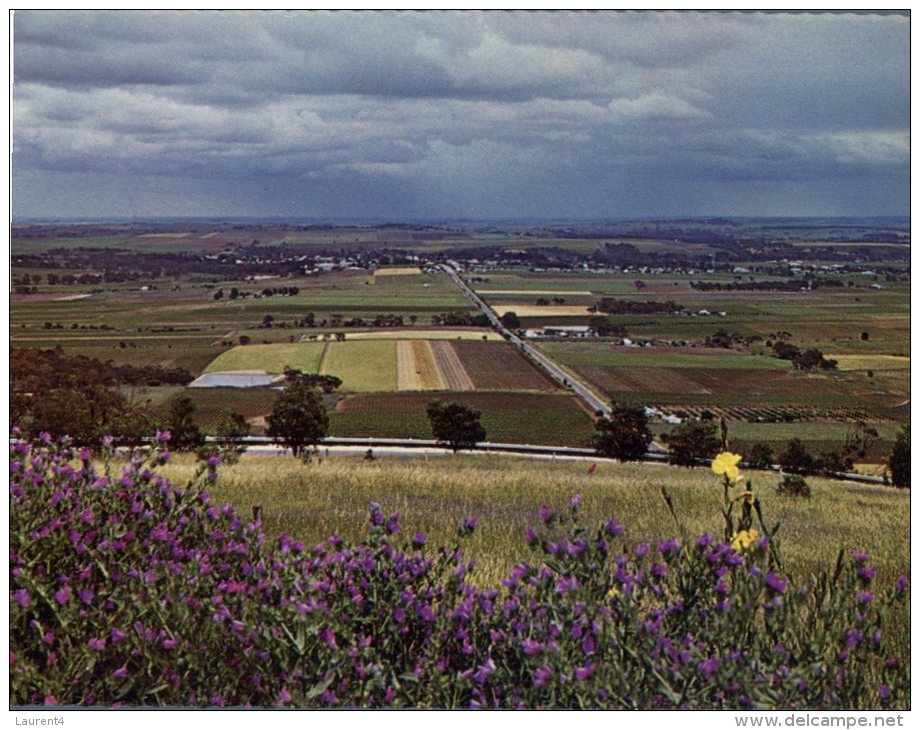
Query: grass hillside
314	501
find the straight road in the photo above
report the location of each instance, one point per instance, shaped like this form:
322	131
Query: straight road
557	373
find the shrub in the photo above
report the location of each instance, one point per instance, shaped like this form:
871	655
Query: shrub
899	460
794	486
125	589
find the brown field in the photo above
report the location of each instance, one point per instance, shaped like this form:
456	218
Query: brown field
500	367
453	372
416	368
706	381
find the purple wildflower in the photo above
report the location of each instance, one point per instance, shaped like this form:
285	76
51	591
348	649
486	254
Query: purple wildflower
22	597
542	676
901	584
163	436
884	692
709	667
62	595
585	672
704	540
614	528
866	573
530	536
574	502
96	644
852	638
860	556
546	514
121	672
775	582
419	540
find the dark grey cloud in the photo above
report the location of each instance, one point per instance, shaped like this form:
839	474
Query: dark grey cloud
460	113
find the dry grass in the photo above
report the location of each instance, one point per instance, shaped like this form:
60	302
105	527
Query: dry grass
313	501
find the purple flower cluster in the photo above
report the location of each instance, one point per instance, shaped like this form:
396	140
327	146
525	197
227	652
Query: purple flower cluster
113	575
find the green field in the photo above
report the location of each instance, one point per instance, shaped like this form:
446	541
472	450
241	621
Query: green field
364	366
303	356
507	417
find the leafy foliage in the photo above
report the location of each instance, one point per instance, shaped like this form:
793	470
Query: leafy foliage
128	590
899	461
181	424
796	459
760	456
692	443
455	425
624	435
298	419
794	485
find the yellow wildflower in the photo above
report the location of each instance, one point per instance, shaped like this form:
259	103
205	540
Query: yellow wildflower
743	539
613	593
727	463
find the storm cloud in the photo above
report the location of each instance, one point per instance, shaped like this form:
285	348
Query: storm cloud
407	115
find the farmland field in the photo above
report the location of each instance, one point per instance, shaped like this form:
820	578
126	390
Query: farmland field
500	368
302	356
416	366
365	366
447	333
507	417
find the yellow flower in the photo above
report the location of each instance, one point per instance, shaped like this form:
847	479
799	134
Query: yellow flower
743	539
613	593
727	463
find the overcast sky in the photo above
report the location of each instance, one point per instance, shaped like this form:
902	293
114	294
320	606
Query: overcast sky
460	115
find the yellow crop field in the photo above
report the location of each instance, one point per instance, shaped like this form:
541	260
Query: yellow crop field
534	310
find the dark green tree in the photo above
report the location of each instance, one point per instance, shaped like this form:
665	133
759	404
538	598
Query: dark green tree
455	425
796	459
511	320
181	425
298	419
231	429
624	435
760	456
692	443
899	460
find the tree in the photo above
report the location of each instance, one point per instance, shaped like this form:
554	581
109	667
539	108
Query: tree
760	456
231	429
796	458
625	435
298	419
606	327
692	442
899	460
455	425
511	320
181	425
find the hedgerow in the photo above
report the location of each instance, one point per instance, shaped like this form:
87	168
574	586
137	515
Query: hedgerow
128	590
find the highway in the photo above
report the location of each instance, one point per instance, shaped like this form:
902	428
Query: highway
552	369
